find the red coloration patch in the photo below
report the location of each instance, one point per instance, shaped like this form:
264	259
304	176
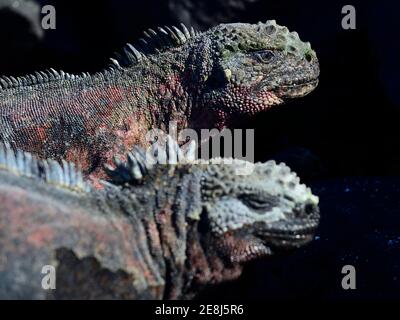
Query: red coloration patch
33	227
41	133
242	99
96	177
41	236
79	155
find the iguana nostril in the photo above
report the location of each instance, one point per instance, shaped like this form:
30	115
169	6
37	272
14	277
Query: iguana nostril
308	56
309	209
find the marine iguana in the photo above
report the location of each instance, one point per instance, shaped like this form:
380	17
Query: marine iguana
158	231
199	80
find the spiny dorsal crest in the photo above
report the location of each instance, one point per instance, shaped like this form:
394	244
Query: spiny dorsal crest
153	42
38	77
139	162
21	163
166	151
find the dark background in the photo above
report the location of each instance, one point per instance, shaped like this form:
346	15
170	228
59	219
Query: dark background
343	139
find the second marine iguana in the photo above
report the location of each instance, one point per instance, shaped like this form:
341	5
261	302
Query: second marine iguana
157	231
198	80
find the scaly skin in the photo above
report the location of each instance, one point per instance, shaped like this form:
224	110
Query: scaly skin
199	80
158	231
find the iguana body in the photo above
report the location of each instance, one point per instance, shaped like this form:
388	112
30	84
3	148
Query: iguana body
160	231
199	80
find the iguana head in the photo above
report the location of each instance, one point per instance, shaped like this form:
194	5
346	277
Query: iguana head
257	214
256	66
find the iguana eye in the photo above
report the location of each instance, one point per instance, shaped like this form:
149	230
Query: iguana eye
257	203
264	56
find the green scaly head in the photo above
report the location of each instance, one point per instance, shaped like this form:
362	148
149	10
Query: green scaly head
254	67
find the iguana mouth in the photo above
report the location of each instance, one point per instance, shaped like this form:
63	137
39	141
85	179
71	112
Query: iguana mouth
274	243
290	90
297	90
277	238
294	89
285	242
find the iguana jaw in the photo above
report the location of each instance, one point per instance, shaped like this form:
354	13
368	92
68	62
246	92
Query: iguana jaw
267	99
296	90
288	238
